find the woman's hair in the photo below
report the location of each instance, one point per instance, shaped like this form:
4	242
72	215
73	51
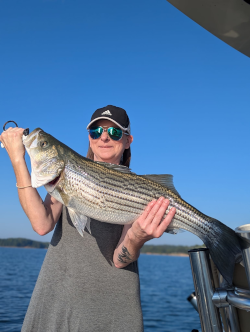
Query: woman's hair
125	159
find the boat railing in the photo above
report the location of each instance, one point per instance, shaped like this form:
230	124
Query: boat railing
216	303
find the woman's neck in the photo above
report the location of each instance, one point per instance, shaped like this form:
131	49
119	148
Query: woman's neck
110	161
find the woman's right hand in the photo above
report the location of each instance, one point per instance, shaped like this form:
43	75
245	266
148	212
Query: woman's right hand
12	141
42	215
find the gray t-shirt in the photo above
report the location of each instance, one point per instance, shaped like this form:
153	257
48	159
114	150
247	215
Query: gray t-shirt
79	289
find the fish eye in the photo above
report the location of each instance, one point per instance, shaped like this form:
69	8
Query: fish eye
44	144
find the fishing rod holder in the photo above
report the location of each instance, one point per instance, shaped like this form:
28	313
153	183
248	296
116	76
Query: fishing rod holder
204	290
193	300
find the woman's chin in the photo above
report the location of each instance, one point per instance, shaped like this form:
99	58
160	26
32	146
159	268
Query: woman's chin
107	158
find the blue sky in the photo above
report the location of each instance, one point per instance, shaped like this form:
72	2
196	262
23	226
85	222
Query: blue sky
186	92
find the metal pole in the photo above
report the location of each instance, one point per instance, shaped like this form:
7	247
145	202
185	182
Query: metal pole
204	290
222	301
232	319
216	278
244	233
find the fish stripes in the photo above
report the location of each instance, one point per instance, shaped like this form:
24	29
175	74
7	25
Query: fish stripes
104	193
120	199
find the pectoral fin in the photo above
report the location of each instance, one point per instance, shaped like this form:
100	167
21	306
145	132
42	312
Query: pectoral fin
88	225
174	231
79	221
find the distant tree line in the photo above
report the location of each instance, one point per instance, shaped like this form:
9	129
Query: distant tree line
167	249
20	242
147	248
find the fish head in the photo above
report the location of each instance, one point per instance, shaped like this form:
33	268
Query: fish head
47	158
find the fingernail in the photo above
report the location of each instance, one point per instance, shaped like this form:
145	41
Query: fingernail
166	201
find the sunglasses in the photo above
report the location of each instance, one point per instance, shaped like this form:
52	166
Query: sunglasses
114	133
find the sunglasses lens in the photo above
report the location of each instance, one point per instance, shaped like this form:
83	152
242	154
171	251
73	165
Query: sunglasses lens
115	133
95	132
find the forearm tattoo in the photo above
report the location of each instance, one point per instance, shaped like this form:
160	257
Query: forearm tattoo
124	256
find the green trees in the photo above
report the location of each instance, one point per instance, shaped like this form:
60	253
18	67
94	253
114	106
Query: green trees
167	249
147	248
22	243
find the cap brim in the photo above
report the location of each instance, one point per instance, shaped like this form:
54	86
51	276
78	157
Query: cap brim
106	118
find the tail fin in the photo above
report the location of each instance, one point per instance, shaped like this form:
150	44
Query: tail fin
224	248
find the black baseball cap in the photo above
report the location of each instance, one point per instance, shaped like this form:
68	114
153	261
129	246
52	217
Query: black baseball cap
113	113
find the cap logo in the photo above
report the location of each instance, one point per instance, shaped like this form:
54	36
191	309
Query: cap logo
107	113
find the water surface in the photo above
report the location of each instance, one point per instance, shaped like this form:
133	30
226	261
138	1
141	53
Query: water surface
166	282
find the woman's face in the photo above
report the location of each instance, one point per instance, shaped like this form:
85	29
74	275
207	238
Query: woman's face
104	148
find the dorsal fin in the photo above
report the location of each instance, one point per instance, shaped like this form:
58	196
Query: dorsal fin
165	180
120	168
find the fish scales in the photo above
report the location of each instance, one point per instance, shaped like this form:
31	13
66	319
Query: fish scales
91	187
110	193
112	184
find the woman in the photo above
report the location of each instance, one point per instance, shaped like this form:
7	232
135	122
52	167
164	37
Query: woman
89	283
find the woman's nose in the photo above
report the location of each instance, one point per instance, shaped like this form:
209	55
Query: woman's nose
104	136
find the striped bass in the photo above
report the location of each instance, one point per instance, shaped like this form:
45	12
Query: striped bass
113	194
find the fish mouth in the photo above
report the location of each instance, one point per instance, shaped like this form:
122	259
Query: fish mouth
53	182
31	138
50	186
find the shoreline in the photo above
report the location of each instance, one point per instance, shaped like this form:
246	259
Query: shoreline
26	247
181	254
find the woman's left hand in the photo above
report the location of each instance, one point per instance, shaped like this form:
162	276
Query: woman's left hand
149	225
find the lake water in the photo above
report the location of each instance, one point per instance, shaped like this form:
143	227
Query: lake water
166	282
